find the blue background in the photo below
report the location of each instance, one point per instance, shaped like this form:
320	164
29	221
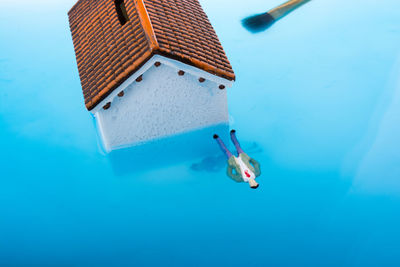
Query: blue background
316	102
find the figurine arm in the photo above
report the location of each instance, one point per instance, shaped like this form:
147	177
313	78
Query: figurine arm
256	166
232	166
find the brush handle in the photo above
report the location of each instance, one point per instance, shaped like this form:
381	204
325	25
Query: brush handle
286	8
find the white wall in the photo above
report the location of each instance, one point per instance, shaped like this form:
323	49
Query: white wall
162	104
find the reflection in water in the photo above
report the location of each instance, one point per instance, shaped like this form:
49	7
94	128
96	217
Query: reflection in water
218	162
167	151
209	164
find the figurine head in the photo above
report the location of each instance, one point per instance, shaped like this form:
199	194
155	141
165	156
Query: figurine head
253	184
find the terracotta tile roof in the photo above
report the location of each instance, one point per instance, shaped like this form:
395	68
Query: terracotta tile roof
108	53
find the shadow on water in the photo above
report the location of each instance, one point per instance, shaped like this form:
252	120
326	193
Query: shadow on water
168	151
216	163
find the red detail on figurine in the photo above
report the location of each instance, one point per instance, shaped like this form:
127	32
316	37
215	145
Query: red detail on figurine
247	174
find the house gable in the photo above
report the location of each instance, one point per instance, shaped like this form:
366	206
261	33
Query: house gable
163	98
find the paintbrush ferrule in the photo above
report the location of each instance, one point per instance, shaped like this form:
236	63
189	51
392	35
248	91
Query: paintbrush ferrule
284	9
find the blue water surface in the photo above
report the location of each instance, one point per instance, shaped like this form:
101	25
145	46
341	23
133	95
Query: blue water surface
316	102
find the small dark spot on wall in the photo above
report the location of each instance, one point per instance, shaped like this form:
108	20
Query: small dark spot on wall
107	106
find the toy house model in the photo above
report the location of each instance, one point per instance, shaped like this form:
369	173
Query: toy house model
149	68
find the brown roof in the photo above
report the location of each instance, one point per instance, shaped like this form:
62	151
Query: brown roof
108	53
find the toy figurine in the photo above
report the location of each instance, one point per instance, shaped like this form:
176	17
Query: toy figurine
241	168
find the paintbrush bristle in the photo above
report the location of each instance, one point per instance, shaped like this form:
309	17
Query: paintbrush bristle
257	23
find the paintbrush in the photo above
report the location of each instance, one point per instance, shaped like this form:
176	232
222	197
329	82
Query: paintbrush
260	22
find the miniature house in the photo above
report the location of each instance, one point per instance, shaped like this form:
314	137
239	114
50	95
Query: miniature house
149	69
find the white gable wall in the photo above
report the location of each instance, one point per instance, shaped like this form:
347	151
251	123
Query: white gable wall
162	104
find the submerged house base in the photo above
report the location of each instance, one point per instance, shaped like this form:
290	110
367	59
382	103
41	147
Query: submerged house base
191	147
163	98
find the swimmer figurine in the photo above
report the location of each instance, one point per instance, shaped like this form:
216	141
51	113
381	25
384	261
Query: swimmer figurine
241	168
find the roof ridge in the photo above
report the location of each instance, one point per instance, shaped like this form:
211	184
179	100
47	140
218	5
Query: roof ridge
147	25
